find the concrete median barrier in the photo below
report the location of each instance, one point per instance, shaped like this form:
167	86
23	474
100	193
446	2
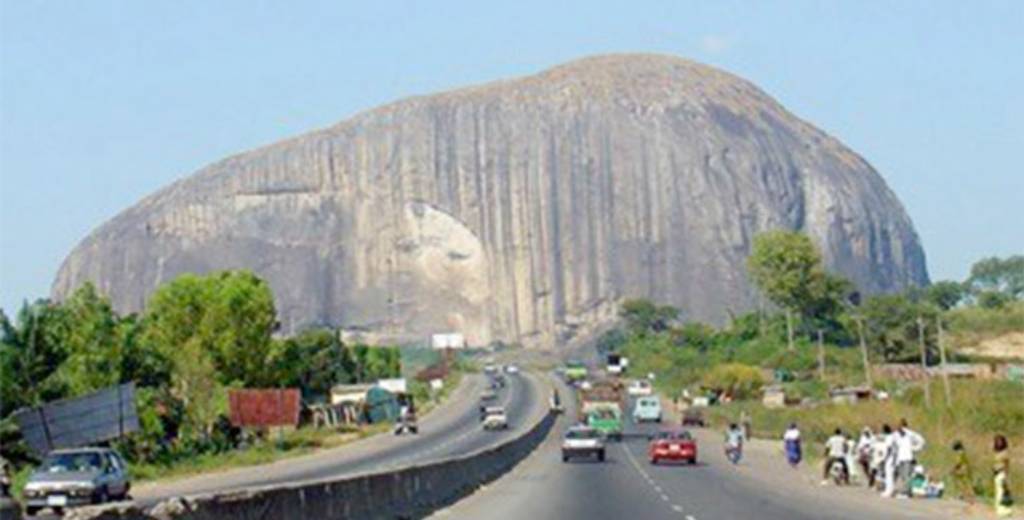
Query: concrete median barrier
411	492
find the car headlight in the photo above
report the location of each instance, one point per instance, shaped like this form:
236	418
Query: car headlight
83	490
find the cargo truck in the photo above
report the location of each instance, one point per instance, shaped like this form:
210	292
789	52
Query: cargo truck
601	405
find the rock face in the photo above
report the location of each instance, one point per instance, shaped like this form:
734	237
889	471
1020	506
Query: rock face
520	210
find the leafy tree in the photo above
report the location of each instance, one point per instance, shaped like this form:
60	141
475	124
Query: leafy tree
30	352
643	316
945	294
787	268
89	335
736	379
891	329
314	361
228	315
993	299
1005	275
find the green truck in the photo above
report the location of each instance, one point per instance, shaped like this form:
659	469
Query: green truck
602	407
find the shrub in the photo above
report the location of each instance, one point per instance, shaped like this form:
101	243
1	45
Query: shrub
736	379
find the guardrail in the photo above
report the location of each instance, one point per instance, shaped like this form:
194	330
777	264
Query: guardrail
411	492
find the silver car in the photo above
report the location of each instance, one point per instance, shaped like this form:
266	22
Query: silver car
75	477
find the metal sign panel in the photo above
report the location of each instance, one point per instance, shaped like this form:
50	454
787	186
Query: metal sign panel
273	407
69	423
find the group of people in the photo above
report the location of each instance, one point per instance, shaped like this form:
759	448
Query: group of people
888	461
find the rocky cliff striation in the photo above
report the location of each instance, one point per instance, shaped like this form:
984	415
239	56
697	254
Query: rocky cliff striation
520	210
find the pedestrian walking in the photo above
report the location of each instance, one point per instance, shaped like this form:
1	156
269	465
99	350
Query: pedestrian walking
864	451
962	477
904	462
1001	477
791	441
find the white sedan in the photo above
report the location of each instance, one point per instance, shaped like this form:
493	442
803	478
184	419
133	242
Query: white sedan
495	418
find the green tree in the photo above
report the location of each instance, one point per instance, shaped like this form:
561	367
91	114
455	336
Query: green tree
787	268
945	294
228	315
891	330
993	299
314	361
1005	275
30	352
643	316
89	335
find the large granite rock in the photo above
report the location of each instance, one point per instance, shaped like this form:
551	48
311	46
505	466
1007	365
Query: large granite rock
520	210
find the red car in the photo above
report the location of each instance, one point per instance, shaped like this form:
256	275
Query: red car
673	445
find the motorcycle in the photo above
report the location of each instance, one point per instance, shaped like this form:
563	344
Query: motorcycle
734	453
838	473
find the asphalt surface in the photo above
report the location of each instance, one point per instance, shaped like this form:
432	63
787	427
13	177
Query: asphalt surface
627	486
453	429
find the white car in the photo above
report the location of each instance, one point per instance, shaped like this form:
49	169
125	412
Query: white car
511	369
495	418
639	388
582	441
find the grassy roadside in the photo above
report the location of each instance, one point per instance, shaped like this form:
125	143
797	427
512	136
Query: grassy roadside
981	409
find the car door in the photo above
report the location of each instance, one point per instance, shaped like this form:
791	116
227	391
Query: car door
116	480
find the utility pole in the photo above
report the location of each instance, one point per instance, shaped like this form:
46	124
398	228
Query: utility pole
821	355
864	352
942	360
924	363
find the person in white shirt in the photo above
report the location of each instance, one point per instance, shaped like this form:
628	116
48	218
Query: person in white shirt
908	443
791	440
835	453
864	451
889	461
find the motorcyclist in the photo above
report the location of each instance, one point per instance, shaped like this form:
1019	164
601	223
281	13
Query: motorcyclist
835	453
734	439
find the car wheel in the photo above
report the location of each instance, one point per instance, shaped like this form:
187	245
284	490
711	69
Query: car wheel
101	497
600	456
31	510
693	462
654	461
565	458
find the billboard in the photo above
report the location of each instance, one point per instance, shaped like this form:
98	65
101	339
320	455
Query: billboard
452	340
264	407
70	423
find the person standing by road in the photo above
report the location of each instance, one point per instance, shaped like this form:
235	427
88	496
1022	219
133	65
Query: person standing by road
908	443
1001	477
962	476
791	442
889	461
835	453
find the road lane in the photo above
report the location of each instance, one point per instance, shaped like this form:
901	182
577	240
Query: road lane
457	420
627	486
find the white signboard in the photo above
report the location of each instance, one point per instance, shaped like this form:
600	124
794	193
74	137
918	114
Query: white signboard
396	385
450	340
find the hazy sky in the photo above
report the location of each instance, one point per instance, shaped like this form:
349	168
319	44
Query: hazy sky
104	102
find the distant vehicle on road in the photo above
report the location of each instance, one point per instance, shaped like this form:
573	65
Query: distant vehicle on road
490	369
639	388
672	445
511	369
582	441
693	417
75	477
575	371
616	364
602	407
495	418
647	409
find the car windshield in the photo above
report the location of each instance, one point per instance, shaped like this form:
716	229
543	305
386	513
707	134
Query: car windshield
648	402
603	414
581	434
674	436
68	462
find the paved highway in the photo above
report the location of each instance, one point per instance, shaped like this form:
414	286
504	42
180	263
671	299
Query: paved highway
452	429
626	486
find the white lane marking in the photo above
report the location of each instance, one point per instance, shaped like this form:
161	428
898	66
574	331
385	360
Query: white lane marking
640	470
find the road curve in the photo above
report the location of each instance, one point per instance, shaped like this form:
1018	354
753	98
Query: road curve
452	429
627	486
